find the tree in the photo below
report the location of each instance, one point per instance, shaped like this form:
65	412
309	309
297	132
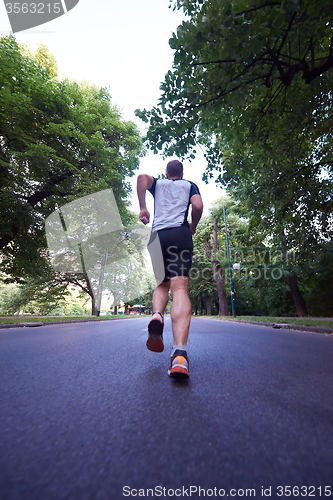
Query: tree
319	278
43	58
122	279
234	60
128	276
202	284
58	141
212	250
8	295
210	237
252	84
261	279
39	295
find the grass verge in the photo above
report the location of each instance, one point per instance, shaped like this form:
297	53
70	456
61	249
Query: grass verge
289	321
47	319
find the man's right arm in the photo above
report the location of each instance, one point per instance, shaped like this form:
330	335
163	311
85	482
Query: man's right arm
197	208
144	182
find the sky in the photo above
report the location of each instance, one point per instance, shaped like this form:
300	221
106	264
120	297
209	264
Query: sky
121	45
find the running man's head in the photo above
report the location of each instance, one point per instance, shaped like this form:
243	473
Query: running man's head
174	170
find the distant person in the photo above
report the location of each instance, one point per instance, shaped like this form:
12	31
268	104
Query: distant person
173	197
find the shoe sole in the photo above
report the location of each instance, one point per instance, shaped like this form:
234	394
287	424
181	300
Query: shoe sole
155	345
155	339
178	372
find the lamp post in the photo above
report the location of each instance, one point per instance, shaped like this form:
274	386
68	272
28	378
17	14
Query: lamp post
232	293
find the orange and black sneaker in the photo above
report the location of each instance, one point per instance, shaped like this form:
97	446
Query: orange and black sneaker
179	367
155	333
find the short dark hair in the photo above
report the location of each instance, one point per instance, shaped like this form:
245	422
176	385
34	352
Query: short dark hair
174	168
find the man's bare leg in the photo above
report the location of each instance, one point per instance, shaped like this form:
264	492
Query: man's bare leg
161	297
156	324
181	318
180	310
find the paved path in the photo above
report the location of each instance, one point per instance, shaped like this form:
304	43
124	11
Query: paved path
86	410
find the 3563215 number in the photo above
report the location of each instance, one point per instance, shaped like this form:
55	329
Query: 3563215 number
304	491
33	8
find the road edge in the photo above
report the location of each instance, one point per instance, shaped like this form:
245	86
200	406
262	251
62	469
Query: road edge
279	326
33	324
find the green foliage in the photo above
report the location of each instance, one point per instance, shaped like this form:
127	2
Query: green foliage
285	177
124	276
319	279
234	59
127	277
37	295
58	141
261	284
43	58
252	84
8	295
201	285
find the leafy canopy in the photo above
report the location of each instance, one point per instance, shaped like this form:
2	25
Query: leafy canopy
252	82
233	61
58	141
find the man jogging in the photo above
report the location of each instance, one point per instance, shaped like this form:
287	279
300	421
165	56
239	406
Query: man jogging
172	197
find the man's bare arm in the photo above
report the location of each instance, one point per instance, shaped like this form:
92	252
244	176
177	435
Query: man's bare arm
197	207
144	182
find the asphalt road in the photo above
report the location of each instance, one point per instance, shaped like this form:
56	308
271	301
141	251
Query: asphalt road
87	412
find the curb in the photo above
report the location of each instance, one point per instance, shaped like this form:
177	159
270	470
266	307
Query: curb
285	326
32	324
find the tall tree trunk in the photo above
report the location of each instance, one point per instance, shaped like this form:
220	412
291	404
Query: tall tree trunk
297	296
300	304
88	289
201	306
208	305
217	271
93	306
93	298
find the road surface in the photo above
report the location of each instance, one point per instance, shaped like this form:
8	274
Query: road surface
87	412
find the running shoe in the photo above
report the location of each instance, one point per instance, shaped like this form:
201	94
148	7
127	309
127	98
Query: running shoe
155	333
179	367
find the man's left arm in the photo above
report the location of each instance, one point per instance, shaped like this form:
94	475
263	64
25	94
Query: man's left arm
197	208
